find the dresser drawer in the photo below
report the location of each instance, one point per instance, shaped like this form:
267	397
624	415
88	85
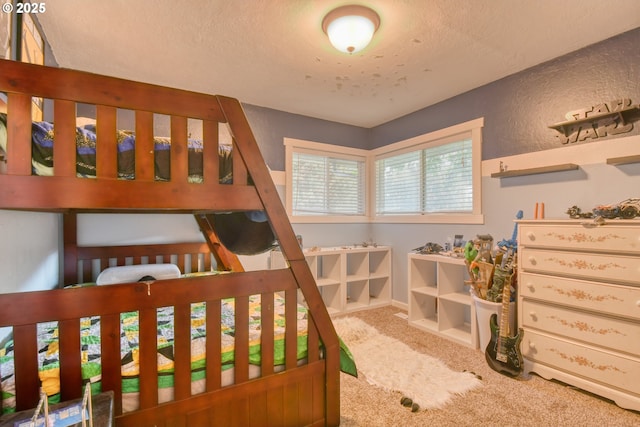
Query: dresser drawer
614	268
614	333
601	366
617	300
606	238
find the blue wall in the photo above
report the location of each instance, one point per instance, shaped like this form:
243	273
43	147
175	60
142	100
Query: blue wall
519	108
270	127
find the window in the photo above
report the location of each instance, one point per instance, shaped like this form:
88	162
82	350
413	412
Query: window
431	178
426	181
325	181
32	51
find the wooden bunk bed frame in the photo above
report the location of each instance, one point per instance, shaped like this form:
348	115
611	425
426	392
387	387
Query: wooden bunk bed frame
302	394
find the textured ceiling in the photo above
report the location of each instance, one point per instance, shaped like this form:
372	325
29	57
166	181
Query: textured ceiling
273	53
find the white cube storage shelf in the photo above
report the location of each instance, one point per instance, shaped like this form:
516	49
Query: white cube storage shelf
439	299
348	278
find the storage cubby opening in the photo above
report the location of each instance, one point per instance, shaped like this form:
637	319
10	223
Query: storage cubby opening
424	307
331	297
329	267
451	278
357	264
455	319
378	288
379	263
423	273
357	293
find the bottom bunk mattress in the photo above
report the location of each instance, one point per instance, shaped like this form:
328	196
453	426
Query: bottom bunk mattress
49	366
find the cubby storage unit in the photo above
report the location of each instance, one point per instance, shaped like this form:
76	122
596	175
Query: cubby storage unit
349	278
439	299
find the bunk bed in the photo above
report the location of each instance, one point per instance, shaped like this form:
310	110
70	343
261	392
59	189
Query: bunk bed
300	389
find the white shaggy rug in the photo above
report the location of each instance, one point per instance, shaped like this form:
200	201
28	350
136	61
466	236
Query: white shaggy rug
388	363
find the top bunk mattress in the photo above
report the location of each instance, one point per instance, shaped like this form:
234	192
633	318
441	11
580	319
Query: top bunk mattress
42	145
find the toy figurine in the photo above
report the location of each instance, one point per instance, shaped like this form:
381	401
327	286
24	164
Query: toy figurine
626	209
429	248
575	213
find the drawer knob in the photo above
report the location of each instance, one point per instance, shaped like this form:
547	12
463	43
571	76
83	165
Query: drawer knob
531	235
531	287
532	345
532	260
533	315
638	303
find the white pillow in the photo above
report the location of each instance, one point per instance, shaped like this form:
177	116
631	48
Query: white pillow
133	273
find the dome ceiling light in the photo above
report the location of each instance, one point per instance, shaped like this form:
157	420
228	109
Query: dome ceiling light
350	28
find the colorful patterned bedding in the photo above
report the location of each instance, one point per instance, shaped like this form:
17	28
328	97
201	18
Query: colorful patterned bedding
91	361
42	153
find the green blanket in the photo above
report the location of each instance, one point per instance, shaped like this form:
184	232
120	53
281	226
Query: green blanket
129	342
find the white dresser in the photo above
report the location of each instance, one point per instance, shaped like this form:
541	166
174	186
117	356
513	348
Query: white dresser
579	304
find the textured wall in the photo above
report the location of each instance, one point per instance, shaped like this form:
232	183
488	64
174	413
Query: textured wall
519	108
270	127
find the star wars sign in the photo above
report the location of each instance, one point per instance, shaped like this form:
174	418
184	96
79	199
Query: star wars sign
608	118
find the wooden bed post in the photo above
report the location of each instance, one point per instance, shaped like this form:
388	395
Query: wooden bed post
247	147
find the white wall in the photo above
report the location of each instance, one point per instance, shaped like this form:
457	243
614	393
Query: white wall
135	229
28	251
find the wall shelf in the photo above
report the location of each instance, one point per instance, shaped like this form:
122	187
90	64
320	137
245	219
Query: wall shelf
563	127
623	160
535	171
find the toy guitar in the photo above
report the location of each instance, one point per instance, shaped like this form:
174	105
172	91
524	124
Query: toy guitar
503	352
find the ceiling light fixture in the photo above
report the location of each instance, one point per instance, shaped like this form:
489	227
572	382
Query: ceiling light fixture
350	28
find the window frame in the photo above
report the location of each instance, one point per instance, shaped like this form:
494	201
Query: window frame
471	129
321	149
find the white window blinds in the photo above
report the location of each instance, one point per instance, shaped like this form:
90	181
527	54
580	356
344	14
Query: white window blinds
397	184
435	179
327	185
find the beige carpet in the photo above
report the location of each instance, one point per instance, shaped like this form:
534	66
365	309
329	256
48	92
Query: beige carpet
502	401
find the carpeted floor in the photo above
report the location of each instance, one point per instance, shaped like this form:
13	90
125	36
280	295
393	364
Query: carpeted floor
391	364
501	401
